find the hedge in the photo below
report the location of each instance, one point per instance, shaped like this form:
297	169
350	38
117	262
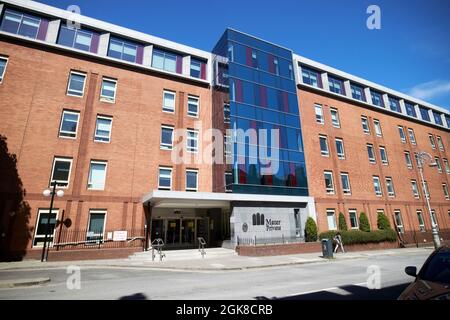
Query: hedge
364	224
358	236
310	230
342	222
383	222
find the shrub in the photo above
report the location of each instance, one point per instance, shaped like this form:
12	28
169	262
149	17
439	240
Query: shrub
310	230
358	236
364	222
342	222
383	222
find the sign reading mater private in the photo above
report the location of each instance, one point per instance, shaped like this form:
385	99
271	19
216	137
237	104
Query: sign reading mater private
273	225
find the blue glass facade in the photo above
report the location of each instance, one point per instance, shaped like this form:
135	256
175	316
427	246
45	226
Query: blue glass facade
262	95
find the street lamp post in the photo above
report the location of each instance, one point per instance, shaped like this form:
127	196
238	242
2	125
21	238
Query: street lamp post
47	193
423	157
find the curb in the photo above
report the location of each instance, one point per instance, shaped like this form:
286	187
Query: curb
23	282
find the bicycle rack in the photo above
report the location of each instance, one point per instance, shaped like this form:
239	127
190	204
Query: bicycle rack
201	246
158	244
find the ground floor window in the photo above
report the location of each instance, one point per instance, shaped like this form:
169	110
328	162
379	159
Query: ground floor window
96	225
353	219
41	227
398	221
421	222
331	218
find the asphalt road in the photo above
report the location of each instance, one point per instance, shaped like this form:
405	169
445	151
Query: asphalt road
336	280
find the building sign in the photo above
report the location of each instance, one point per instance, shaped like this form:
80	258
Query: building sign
273	225
120	236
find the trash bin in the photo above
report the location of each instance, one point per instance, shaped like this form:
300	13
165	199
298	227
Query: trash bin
327	248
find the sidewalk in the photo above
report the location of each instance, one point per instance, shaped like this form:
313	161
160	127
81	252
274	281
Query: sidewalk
227	260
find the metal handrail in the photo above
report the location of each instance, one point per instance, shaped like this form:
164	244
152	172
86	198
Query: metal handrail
201	246
159	244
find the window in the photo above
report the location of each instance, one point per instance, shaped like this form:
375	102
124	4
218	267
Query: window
416	156
335	118
398	221
69	124
377	98
19	23
228	181
401	132
438	164
123	50
445	188
166	138
319	113
76	84
425	191
434	220
61	172
191	180
103	129
357	92
192	141
424	113
97	175
437	117
331	218
336	85
433	145
410	110
196	68
390	187
408	160
394	104
377	125
75	38
193	106
415	189
226	113
421	222
227	145
439	142
377	186
323	146
3	63
165	178
329	184
96	225
165	60
365	125
340	148
108	92
353	219
345	183
310	77
41	227
412	137
383	155
447	167
168	101
370	153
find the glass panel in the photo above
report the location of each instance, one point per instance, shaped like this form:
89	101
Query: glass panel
69	124
96	222
166	136
66	36
115	49
108	89
191	180
170	63
76	85
29	27
169	101
11	22
83	40
97	176
129	52
61	171
158	60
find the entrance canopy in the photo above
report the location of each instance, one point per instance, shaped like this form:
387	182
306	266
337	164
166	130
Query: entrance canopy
184	199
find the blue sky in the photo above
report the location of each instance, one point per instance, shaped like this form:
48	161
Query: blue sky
410	53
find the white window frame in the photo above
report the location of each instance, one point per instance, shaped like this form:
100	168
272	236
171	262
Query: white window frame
106	98
322	152
96	211
66	183
400	227
412	136
2	76
198	106
421	221
440	143
195	138
415	190
380	193
374	159
438	164
408	156
89	185
96	126
383	161
68	84
340	155
445	189
390	193
432	142
446	165
67	132
329	190
365	121
170	177
333	122
377	126
350	212
196	180
348	191
316	108
165	146
49	243
333	213
167	110
401	132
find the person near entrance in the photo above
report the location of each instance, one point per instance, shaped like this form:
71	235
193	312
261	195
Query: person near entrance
338	241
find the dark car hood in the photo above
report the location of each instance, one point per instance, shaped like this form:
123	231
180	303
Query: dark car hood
424	290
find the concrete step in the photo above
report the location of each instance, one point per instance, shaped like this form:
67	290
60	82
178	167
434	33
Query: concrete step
187	254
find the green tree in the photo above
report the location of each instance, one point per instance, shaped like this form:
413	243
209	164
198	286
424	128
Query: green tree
383	222
310	230
364	222
342	222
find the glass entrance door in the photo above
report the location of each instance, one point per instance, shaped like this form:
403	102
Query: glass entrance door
173	231
188	231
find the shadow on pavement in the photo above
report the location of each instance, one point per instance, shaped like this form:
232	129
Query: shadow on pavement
136	296
352	292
